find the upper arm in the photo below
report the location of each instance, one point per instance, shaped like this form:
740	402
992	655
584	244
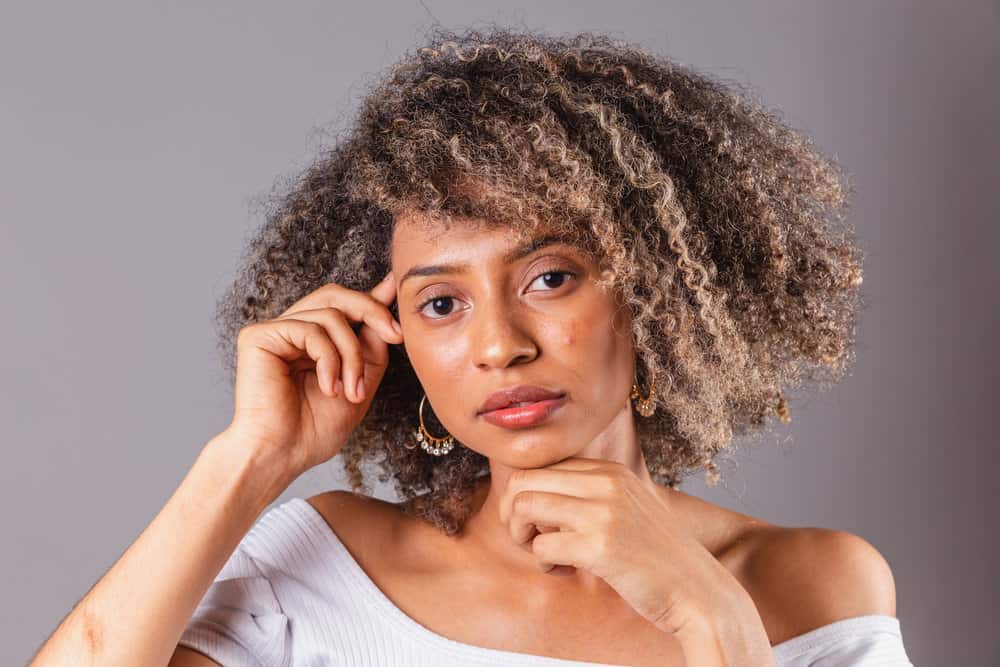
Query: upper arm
188	657
805	578
239	621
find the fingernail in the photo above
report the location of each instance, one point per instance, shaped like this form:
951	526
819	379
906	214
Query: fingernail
338	387
361	388
398	327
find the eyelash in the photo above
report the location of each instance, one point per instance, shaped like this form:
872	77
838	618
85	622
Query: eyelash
438	297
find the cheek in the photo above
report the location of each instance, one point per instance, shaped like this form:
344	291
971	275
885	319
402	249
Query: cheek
564	336
586	346
597	354
436	366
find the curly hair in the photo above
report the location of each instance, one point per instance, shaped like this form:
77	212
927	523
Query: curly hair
718	225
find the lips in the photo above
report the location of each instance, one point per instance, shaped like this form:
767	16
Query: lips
514	395
527	415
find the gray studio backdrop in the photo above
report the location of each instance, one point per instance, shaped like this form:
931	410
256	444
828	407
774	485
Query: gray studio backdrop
136	143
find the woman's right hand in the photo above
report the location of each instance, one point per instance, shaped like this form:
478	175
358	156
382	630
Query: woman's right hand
297	375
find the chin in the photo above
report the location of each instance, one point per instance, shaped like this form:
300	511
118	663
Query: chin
533	451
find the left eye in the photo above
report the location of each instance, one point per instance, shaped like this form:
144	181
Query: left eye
561	278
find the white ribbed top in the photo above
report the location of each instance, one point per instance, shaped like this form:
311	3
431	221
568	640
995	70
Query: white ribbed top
292	594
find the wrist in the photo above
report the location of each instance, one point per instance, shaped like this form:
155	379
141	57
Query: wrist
725	633
729	634
702	645
261	472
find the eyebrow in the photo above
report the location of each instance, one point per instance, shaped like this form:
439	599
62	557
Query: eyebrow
510	256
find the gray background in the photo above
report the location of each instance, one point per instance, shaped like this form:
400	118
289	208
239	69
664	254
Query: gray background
136	141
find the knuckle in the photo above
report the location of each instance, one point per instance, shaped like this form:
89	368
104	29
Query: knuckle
245	333
333	293
604	515
523	502
518	475
333	318
323	292
316	329
336	313
611	484
601	545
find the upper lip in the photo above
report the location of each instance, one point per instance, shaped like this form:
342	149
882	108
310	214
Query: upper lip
519	394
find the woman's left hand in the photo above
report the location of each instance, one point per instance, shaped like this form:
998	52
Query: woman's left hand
597	515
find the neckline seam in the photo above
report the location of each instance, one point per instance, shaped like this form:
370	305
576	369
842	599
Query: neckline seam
854	626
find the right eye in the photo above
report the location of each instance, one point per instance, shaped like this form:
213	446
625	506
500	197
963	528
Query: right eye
438	304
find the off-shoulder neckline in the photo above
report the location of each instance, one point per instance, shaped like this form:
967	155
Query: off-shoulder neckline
317	524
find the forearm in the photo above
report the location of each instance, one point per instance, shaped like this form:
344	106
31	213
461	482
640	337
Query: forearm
734	636
136	612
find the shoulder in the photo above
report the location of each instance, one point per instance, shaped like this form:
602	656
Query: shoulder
362	523
348	508
799	579
803	578
337	498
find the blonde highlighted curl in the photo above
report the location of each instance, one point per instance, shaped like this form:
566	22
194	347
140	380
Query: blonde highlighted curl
719	226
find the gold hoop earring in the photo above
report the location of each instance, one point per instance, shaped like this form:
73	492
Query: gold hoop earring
430	444
644	405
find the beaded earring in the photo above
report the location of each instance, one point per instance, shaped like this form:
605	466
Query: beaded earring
430	444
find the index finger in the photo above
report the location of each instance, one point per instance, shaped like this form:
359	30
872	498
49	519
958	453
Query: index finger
385	290
357	307
385	293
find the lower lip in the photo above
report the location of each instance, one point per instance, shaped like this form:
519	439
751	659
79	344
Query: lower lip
525	415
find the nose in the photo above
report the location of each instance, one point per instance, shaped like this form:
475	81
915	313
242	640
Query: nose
501	336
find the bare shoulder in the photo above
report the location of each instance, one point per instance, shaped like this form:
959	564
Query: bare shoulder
803	578
342	498
362	523
799	578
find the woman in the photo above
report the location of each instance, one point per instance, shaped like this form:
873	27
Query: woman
541	281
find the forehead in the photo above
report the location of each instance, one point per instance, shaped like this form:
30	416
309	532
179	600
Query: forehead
416	236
